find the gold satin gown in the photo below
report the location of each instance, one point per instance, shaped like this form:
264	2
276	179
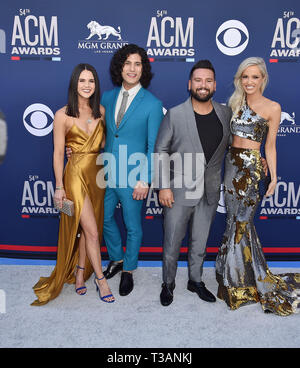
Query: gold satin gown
79	180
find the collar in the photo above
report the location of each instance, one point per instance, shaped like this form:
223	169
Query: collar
132	91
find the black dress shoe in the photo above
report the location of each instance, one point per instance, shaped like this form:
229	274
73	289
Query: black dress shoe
166	295
112	269
200	289
126	283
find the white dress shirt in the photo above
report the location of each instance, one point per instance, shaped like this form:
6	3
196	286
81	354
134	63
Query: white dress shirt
132	93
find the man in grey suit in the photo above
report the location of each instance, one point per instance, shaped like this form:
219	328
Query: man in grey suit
193	138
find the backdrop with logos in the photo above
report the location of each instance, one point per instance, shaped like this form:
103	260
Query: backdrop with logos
41	42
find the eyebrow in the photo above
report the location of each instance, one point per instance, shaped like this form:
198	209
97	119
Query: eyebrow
135	62
208	78
247	75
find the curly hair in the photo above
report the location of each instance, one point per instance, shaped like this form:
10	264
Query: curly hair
119	58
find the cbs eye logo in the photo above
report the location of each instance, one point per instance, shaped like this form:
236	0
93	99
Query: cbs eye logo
38	119
232	37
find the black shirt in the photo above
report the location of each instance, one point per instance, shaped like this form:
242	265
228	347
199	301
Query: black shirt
210	132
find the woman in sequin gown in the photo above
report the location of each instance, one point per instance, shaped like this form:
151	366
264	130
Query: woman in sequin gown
79	125
241	269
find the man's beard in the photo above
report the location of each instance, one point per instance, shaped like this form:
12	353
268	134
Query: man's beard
195	95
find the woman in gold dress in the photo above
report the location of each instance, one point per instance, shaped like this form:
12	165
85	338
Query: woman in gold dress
79	125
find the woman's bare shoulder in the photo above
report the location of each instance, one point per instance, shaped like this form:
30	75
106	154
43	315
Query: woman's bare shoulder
61	113
272	106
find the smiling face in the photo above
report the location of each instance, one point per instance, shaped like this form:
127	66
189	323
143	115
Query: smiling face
86	84
252	80
132	71
202	84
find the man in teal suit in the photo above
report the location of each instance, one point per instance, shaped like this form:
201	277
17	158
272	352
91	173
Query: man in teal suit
133	116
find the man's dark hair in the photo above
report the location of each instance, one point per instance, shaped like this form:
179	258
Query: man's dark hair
203	64
119	58
94	100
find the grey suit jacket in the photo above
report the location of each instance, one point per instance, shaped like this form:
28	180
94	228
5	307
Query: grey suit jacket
179	161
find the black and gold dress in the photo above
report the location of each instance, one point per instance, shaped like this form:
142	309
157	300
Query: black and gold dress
80	180
241	269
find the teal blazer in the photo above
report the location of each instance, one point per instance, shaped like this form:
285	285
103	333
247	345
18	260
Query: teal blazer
131	144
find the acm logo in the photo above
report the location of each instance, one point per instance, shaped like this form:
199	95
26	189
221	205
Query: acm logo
286	38
32	35
170	36
37	197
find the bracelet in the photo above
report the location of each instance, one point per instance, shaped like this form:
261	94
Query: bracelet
59	188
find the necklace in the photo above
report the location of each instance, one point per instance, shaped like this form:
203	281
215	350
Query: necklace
89	121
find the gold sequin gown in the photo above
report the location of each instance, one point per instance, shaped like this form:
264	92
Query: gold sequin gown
241	269
79	180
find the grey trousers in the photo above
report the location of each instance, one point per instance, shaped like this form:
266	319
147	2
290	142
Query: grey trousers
176	221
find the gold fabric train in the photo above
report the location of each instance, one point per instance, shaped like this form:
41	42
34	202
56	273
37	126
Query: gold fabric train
79	180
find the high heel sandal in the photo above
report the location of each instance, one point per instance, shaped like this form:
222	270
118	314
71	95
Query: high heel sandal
81	287
98	290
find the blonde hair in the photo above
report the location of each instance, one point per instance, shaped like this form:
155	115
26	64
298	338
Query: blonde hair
238	97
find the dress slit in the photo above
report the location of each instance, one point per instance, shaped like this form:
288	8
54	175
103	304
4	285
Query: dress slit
79	181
